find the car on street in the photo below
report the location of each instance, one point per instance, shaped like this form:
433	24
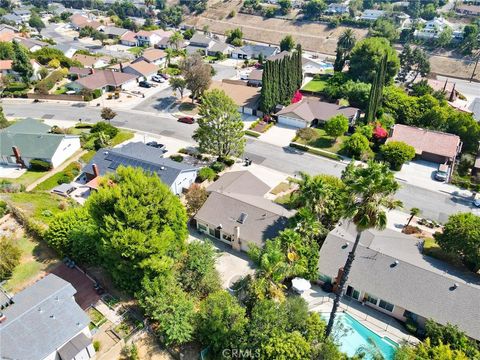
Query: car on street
157	145
158	78
165	76
186	120
145	84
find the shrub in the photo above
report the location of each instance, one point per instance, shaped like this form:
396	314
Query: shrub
11	254
83	126
397	153
307	134
64	179
177	158
96	345
206	174
228	162
356	145
106	128
409	230
96	93
3	208
217	166
40	165
45	85
252	133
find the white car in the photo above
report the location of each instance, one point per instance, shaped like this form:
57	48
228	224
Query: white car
158	78
476	200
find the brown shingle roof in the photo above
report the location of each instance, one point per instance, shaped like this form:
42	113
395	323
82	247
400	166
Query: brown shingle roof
85	60
102	78
129	36
242	95
144	68
151	55
311	109
428	141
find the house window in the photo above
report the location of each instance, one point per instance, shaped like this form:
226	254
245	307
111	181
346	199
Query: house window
211	232
202	227
386	305
227	237
371	299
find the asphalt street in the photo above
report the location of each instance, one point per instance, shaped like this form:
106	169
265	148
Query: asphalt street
434	205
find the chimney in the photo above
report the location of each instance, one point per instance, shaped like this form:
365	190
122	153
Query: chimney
337	280
18	158
3	318
96	173
121	67
236	244
92	71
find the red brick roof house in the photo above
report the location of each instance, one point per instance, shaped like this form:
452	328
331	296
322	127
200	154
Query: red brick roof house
430	145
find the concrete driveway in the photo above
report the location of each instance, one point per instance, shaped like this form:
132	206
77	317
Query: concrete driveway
279	135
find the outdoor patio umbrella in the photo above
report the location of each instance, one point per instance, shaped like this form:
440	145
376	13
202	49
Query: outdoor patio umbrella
300	285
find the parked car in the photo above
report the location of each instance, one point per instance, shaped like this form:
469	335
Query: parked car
186	120
158	78
476	200
145	84
157	145
165	76
442	173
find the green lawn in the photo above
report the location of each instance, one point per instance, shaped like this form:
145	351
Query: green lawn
60	91
324	142
123	135
136	50
36	257
315	85
26	178
40	206
188	108
54	180
431	248
85	158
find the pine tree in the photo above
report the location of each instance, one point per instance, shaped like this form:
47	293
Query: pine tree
21	62
376	91
299	67
3	119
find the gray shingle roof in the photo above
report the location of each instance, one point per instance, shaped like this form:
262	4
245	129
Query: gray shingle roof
199	39
137	154
43	317
254	50
114	31
242	192
418	283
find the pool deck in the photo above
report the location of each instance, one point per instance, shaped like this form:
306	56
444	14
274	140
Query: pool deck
382	324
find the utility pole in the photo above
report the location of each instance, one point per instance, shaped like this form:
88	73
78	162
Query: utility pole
475	67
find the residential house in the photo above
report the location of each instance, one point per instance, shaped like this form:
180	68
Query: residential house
113	32
80	21
311	112
311	67
23	13
254	51
246	97
435	27
337	9
4	28
147	38
141	69
391	275
75	72
237	212
104	80
30	44
166	44
6	69
430	145
67	49
128	39
469	10
372	15
31	139
278	55
12	18
255	77
208	46
44	322
153	56
177	176
90	61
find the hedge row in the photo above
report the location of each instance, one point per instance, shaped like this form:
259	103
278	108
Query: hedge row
316	151
252	133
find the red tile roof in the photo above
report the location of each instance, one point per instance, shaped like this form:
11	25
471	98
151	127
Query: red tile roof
102	78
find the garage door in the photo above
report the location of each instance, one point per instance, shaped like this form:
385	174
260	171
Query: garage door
247	110
291	122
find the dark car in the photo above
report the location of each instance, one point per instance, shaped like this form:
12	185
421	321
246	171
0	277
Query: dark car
145	84
156	145
186	120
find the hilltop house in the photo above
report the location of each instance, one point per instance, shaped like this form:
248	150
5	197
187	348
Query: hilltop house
208	46
31	139
237	213
177	176
253	51
44	322
391	275
435	27
311	112
113	32
337	9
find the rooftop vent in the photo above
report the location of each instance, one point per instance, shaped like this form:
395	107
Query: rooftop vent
242	218
162	167
344	246
454	286
395	263
220	227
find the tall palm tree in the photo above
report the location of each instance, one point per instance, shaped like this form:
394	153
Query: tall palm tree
175	39
370	190
413	212
345	44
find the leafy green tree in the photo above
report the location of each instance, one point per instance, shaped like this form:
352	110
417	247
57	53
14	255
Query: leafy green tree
195	197
221	321
21	62
336	126
356	145
234	37
287	43
464	125
461	236
370	192
384	28
345	44
397	153
36	22
10	257
197	273
141	223
366	57
220	126
445	37
178	84
285	6
197	74
283	346
170	307
175	39
425	350
6	51
470	40
171	16
312	9
104	127
3	119
107	114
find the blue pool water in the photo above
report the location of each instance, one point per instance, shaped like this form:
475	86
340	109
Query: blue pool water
326	66
352	335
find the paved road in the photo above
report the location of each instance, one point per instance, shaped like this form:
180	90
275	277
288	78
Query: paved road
434	205
470	89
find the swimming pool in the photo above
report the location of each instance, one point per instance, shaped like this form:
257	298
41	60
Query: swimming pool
352	335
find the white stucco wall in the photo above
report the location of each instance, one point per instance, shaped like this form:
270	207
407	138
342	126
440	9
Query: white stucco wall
285	120
183	181
68	146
